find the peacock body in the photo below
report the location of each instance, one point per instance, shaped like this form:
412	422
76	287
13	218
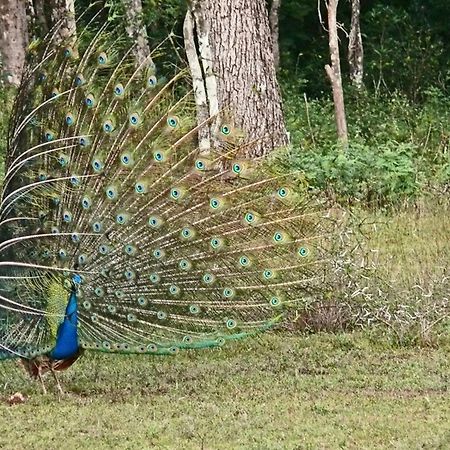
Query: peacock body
119	235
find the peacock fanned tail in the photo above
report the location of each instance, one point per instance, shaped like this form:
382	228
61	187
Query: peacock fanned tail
107	194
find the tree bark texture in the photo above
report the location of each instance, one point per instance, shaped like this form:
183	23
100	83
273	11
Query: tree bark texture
136	30
13	39
38	25
355	47
275	29
63	13
233	48
334	72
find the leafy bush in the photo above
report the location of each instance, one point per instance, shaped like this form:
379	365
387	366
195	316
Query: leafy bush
397	148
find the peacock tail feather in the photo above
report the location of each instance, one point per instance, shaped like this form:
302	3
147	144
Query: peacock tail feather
106	192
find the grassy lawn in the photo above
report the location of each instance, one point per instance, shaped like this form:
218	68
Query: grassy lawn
277	392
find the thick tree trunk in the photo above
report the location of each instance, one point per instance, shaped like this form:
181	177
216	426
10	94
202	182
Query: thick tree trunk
334	72
136	30
63	13
274	27
229	44
13	40
355	47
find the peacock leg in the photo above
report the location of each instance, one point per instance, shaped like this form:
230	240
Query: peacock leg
39	374
58	384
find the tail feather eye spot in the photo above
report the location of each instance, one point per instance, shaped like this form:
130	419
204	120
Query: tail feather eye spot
84	141
67	216
103	249
194	309
130	249
283	192
244	261
122	218
154	278
112	192
68	52
208	278
155	222
275	301
119	90
303	252
228	293
49	136
231	324
79	80
134	119
158	156
97	165
102	58
127	159
86	202
108	126
70	119
174	290
173	122
142	301
97	227
129	274
161	315
75	238
141	187
237	168
225	130
152	81
158	253
187	233
200	165
89	101
185	264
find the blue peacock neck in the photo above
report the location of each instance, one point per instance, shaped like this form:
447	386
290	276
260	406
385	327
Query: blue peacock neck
67	344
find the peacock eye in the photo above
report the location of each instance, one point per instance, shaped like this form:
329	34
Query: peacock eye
152	80
134	119
172	122
237	168
102	58
225	130
118	90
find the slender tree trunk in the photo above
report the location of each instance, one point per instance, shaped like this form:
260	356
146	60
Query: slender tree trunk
37	21
230	54
355	47
136	30
13	40
274	27
334	72
63	13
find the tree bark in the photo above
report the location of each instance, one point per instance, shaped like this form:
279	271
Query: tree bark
63	13
233	53
13	40
334	72
275	29
37	21
136	30
355	47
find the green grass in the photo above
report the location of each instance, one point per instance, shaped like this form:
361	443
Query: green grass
320	391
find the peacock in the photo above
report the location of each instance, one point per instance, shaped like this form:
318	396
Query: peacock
119	234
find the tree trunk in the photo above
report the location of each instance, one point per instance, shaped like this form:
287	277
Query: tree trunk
355	47
63	13
274	27
13	40
230	54
334	72
37	21
136	31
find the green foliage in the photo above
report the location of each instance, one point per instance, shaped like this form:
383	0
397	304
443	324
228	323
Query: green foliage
397	148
